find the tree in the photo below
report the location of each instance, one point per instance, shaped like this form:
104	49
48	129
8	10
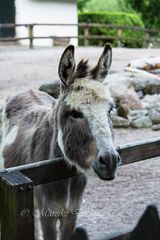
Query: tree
111	5
82	4
137	4
149	10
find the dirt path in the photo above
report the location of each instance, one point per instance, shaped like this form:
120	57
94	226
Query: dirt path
107	206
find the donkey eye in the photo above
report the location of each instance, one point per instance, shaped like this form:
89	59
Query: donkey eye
111	108
76	114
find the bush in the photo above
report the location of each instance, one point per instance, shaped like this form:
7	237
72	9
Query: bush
111	5
116	18
149	11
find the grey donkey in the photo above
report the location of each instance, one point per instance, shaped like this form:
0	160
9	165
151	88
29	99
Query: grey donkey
76	126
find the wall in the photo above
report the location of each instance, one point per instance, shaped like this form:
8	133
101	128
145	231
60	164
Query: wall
34	11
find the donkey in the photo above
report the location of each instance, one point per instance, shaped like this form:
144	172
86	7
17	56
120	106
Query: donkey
76	126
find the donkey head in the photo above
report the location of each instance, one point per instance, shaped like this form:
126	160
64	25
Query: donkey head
84	105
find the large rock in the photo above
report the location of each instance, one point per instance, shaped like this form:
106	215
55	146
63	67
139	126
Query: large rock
140	119
156	127
151	101
127	98
133	115
146	63
154	115
119	121
52	89
142	122
133	78
124	95
122	111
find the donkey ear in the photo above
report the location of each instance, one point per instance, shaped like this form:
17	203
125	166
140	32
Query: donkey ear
100	71
67	66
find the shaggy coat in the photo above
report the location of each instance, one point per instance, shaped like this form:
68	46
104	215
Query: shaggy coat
76	127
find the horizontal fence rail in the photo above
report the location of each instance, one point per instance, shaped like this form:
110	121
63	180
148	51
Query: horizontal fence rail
140	150
86	36
16	188
37	171
130	153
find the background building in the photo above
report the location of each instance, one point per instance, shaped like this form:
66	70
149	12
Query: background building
41	11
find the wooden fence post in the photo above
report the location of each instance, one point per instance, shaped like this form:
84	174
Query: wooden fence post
16	210
148	40
86	34
30	35
119	35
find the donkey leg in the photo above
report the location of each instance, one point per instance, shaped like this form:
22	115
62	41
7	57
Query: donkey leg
67	226
49	228
77	186
45	221
38	228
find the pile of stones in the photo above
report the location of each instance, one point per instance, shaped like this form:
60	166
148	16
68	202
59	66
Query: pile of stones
136	92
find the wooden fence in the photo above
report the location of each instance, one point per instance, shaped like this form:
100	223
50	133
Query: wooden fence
151	35
17	183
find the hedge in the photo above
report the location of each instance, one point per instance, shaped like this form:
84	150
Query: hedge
116	18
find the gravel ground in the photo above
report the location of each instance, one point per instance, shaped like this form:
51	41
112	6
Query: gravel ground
107	206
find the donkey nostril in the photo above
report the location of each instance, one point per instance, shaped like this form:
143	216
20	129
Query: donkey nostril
101	160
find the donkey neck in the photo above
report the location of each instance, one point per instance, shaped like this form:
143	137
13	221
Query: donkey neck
55	151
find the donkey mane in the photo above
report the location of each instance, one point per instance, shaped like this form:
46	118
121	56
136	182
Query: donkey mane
82	69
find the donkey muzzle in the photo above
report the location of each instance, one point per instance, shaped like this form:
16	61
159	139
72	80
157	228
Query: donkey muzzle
106	164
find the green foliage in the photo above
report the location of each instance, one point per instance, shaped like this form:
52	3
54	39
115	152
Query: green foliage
82	4
149	10
116	18
111	5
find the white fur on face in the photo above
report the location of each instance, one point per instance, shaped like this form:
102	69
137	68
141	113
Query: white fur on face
93	91
94	100
61	145
60	140
98	121
11	136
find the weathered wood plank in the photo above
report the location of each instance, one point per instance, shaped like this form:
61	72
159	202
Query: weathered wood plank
84	25
42	172
138	151
16	200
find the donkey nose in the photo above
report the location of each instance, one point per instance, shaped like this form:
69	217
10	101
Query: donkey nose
106	164
110	160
